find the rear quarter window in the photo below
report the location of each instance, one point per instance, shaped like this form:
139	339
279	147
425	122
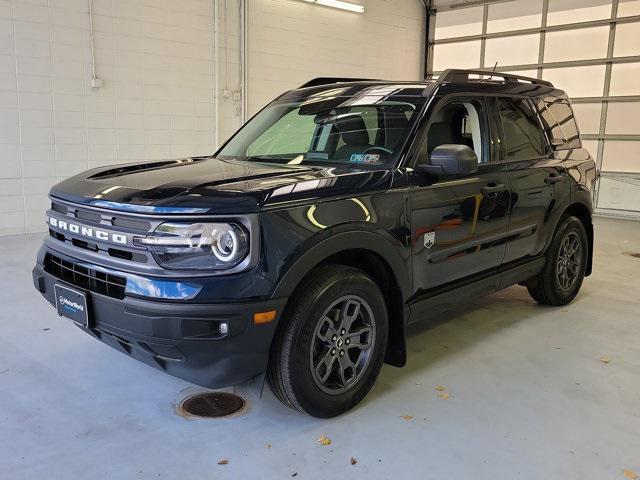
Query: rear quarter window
559	123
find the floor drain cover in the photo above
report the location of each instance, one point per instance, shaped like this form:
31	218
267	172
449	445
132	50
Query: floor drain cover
633	254
212	405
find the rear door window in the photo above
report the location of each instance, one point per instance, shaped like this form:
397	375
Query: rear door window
522	134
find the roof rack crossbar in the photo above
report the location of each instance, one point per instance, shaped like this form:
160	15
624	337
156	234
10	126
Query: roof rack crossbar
462	75
314	82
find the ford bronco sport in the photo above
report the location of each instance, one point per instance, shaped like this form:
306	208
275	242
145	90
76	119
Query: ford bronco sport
342	212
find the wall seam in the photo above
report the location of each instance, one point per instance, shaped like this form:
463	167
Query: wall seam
19	111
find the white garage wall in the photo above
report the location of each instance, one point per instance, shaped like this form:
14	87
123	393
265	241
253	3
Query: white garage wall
291	42
157	62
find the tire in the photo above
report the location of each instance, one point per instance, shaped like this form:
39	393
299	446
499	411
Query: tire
560	279
309	340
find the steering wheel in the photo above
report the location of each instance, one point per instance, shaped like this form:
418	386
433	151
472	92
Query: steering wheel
382	149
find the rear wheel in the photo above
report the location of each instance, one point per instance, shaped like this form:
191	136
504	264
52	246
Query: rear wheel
331	343
566	261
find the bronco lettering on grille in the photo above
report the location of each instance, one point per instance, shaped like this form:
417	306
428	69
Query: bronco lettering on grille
88	231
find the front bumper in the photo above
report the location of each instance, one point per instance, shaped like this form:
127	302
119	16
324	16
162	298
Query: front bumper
181	338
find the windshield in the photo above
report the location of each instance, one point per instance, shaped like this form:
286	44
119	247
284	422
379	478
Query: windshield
366	128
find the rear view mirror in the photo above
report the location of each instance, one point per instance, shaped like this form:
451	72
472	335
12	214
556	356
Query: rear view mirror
450	159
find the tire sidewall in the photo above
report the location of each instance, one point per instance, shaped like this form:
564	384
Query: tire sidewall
310	397
570	224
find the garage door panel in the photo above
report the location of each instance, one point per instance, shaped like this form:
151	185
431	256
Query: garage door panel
628	8
619	192
515	15
624	79
456	55
585	81
459	23
576	44
622	118
588	116
627	40
517	50
524	73
595	63
573	11
621	156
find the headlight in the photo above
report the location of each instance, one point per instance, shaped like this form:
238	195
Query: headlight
197	246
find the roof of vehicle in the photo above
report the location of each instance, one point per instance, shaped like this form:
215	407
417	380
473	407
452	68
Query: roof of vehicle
449	81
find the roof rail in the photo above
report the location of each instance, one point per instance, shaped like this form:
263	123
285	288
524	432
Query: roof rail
314	82
460	75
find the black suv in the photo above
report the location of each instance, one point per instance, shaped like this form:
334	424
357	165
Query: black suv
343	211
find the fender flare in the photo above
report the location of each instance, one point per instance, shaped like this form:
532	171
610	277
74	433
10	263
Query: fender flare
584	202
382	245
387	248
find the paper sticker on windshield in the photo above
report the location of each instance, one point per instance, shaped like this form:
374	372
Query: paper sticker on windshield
365	158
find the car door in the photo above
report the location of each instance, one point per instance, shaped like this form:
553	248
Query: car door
459	224
536	176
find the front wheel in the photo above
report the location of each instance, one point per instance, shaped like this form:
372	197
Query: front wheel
566	261
331	345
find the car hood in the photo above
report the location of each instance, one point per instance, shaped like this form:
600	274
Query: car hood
212	185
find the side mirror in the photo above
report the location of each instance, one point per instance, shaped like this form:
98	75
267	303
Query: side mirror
450	159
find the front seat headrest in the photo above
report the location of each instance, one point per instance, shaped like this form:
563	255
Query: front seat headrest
353	130
440	133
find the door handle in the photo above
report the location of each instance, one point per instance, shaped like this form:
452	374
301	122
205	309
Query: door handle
553	178
492	189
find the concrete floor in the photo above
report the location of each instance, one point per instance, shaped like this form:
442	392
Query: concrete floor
530	396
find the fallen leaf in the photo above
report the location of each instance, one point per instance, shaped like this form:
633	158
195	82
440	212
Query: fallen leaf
324	441
407	417
223	461
605	360
440	388
630	474
444	395
353	460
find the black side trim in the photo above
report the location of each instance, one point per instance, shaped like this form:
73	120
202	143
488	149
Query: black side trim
449	295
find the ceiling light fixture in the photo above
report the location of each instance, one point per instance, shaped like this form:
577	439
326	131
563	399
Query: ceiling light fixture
351	7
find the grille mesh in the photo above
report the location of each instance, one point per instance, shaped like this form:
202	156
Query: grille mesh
85	278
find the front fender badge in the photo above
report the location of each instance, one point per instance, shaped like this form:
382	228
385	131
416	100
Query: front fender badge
429	239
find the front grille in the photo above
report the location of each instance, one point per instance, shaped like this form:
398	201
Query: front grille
132	224
89	216
93	247
84	277
56	207
103	218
